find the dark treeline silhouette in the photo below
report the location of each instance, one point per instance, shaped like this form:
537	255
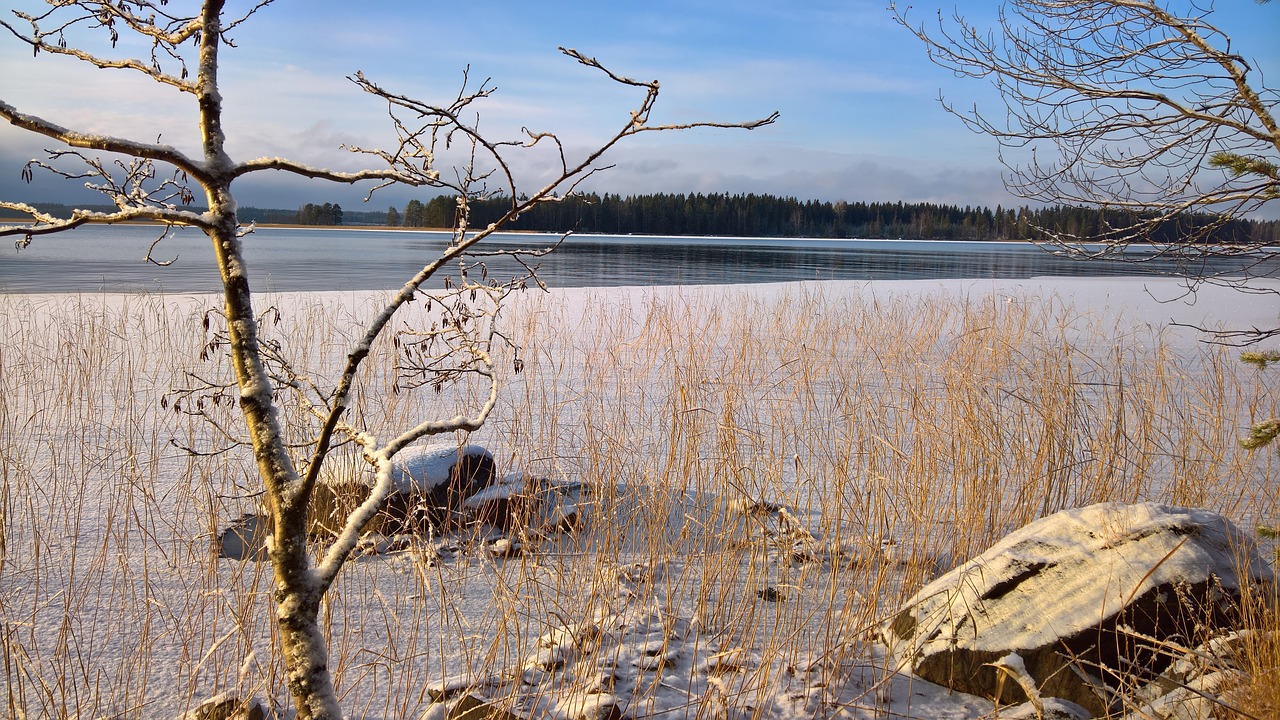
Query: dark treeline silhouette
326	214
754	215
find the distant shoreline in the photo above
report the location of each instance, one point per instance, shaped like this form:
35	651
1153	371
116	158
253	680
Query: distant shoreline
401	228
639	236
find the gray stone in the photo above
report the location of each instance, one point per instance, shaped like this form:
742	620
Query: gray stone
1081	597
228	707
244	539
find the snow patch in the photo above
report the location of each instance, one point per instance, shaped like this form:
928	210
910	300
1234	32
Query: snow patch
423	468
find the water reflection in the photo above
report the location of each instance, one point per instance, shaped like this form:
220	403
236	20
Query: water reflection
111	259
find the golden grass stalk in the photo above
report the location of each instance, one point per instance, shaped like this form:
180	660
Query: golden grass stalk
898	442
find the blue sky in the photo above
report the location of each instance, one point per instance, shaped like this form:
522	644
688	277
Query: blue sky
858	98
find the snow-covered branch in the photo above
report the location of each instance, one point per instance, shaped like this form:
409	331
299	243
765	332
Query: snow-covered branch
346	541
46	224
107	143
319	173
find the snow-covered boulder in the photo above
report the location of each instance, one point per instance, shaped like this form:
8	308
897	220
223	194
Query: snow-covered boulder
429	484
1075	593
441	476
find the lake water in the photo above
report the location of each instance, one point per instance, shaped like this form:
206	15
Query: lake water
111	259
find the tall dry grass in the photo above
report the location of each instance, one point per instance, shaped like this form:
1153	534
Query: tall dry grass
1258	655
928	427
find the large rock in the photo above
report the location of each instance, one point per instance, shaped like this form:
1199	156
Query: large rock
429	485
244	539
441	476
1071	594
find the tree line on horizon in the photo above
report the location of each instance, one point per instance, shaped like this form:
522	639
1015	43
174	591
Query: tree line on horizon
757	215
762	215
326	214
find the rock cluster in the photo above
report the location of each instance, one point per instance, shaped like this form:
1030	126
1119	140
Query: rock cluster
435	489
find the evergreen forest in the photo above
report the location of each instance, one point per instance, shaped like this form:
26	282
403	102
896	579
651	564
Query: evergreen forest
752	215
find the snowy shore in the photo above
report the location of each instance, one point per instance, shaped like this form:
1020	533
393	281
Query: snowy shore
111	604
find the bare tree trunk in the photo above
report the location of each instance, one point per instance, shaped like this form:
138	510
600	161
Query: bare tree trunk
298	590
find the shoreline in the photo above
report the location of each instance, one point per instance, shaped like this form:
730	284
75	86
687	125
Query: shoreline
781	240
1154	302
546	233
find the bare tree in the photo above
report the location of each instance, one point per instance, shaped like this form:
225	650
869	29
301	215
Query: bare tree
1127	106
157	182
1146	113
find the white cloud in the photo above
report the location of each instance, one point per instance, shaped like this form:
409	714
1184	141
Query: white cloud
856	92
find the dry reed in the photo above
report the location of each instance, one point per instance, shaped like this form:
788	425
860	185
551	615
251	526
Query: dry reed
899	441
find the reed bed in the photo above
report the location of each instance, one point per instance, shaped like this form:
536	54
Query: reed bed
901	434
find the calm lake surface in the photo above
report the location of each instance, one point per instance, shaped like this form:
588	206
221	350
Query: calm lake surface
111	259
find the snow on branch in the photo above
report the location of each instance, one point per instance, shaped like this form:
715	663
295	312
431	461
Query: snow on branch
108	143
381	458
131	185
46	224
145	18
318	173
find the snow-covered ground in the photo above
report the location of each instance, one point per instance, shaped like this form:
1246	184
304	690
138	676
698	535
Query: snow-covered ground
730	571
